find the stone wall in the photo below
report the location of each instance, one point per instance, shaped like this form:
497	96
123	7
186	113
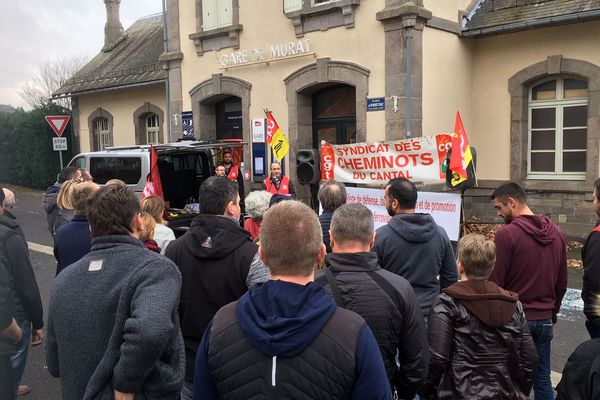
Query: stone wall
572	210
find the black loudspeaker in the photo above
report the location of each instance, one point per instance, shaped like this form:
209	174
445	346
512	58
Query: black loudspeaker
308	166
471	179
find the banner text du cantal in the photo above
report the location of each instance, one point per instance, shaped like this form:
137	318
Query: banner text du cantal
417	159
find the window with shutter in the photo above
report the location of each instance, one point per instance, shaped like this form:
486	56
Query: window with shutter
217	20
210	14
225	12
292	5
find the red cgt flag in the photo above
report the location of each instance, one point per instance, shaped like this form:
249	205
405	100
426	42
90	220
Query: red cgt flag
153	184
461	152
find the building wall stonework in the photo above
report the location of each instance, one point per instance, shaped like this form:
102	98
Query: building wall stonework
122	108
572	211
361	45
497	59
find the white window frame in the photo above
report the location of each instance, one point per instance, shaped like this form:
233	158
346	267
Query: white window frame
103	133
559	103
320	3
152	129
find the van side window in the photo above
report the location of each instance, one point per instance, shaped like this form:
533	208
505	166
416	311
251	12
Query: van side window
79	162
127	169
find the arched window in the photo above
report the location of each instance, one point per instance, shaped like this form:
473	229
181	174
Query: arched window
101	133
558	113
152	129
148	120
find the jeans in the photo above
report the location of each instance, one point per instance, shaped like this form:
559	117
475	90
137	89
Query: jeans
19	358
187	390
541	332
7	390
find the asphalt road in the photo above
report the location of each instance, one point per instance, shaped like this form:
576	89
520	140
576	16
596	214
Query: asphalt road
568	334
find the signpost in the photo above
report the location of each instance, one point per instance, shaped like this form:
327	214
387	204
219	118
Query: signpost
58	123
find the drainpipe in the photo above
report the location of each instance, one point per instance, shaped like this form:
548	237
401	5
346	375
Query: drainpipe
167	85
409	81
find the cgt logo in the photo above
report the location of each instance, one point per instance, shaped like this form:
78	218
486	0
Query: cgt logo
327	161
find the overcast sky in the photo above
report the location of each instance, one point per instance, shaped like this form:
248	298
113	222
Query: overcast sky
36	30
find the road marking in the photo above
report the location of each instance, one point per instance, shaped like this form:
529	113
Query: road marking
40	248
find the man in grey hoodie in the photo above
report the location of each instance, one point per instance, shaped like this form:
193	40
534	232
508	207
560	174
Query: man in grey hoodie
413	246
113	328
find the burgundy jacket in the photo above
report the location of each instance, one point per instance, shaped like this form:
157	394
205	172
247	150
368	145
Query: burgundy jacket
531	260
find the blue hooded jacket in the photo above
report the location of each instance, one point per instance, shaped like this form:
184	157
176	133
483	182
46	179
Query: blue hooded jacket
282	319
416	248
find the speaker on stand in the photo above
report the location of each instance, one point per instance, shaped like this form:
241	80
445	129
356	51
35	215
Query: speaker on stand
308	171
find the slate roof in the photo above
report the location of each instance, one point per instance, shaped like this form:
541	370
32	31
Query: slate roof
492	17
132	62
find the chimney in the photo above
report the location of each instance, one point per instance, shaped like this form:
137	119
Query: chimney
113	30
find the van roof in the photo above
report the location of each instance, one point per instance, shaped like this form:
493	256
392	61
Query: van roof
183	145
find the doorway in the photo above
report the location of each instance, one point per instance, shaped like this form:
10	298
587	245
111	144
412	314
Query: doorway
228	118
334	115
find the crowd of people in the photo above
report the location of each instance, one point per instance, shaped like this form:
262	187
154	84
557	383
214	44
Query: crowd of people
291	304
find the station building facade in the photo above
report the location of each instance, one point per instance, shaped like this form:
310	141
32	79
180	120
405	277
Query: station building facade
524	74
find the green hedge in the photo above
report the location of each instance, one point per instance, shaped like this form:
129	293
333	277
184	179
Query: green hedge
26	154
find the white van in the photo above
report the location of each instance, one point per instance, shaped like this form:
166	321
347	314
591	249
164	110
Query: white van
183	166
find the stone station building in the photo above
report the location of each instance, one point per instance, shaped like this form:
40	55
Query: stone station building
525	75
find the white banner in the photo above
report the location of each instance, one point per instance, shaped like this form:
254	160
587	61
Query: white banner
417	159
443	207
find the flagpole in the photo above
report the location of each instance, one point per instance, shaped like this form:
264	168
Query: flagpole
463	220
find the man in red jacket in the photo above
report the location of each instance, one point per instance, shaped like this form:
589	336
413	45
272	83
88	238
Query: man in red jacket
531	260
278	184
234	173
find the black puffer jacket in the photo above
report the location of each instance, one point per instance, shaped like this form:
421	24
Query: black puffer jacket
479	345
389	305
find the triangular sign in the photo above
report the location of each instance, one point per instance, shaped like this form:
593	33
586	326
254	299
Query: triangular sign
58	123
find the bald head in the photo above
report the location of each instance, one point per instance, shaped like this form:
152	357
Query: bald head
9	199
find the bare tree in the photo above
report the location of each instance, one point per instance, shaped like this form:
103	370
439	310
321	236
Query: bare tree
51	75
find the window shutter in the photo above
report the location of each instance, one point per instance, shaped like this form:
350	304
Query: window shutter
292	5
225	13
209	15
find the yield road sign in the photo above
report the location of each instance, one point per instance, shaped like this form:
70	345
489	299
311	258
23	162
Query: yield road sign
59	143
58	123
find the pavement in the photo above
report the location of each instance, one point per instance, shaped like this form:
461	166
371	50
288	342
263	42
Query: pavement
569	331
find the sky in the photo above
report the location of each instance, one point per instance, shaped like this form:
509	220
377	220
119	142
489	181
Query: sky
32	31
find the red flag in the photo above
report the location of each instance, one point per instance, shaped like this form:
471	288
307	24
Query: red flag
153	184
272	127
461	152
